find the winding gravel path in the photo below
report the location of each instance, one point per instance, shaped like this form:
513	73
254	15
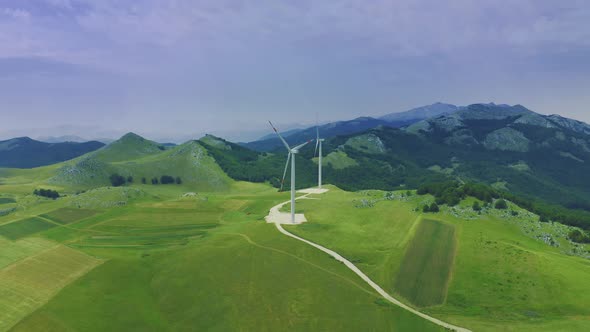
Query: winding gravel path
363	276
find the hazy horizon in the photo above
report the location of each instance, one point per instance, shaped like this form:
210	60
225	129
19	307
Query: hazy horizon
177	69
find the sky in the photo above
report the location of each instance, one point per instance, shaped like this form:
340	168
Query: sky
174	70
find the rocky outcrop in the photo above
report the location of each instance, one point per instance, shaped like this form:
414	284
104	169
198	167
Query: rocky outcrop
507	139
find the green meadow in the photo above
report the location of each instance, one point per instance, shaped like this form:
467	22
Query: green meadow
482	272
166	262
22	228
199	255
426	268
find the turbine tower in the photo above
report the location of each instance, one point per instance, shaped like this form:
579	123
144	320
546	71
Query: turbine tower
291	155
318	143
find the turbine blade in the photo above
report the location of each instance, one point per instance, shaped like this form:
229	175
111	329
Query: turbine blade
301	145
317	142
317	132
281	137
285	171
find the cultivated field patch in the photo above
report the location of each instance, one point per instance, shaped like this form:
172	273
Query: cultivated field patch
12	251
69	215
6	200
158	227
426	267
29	283
25	227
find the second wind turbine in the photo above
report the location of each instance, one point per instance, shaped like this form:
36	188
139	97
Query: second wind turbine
291	155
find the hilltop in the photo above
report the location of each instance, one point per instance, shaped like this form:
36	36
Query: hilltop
142	160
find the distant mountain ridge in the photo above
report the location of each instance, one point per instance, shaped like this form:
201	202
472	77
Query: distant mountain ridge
62	139
347	127
24	152
326	131
421	113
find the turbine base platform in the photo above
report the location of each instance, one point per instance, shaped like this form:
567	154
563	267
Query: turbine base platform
285	218
313	191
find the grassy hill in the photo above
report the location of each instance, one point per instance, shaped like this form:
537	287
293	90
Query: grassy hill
488	271
136	157
543	159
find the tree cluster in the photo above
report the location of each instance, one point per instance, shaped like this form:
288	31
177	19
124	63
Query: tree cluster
452	192
501	204
118	180
165	179
431	208
53	194
579	237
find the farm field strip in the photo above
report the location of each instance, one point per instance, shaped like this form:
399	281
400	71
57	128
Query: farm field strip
24	227
11	252
425	270
29	283
68	215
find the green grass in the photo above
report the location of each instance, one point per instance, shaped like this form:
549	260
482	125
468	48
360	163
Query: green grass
427	264
210	262
27	284
13	251
502	278
239	273
7	200
338	160
68	215
25	227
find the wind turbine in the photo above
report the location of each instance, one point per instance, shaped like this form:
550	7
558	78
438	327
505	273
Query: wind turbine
291	155
318	143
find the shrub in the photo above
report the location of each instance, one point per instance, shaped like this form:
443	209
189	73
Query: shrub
178	180
166	179
579	237
143	180
130	179
53	194
476	206
117	180
154	180
434	207
501	204
426	208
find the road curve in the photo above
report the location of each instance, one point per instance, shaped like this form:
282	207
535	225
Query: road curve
370	282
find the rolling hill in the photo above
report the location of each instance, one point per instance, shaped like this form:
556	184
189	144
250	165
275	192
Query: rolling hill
24	152
139	158
536	157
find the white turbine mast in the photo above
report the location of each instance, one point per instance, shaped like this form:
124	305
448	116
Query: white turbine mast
291	155
318	143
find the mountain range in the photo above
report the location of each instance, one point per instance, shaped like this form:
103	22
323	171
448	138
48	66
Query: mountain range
544	158
24	152
393	120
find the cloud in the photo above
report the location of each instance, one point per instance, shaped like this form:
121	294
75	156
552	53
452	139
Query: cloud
210	59
379	28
